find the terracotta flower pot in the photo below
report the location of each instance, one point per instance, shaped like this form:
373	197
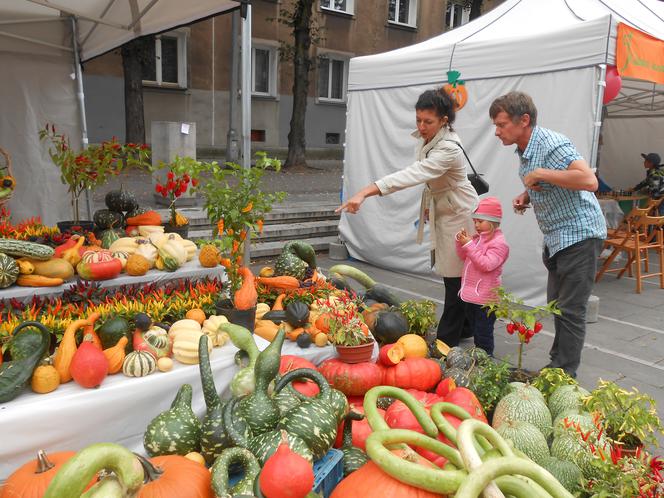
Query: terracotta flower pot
355	354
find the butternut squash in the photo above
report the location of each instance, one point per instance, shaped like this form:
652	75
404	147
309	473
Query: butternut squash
246	296
116	355
54	268
266	329
38	281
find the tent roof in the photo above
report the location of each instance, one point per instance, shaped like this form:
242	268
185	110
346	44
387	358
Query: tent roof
36	26
517	37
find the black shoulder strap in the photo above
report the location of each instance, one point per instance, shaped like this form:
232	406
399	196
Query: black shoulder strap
464	153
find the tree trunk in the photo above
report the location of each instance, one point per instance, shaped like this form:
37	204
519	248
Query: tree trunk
475	9
301	66
132	54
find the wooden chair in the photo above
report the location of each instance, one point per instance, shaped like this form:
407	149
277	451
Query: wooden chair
645	233
653	206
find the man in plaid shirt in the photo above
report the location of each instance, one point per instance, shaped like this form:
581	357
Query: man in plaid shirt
559	185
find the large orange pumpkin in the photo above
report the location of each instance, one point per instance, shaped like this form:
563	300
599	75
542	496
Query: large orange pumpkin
413	373
171	476
371	482
31	479
351	379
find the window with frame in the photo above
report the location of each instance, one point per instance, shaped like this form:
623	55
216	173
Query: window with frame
344	6
456	14
164	62
332	76
403	12
264	70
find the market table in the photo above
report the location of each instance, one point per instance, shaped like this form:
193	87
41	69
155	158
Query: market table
191	270
72	417
626	202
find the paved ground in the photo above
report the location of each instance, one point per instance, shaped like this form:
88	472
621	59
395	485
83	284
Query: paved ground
626	345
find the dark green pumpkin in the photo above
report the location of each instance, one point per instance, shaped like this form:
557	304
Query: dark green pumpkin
390	326
297	313
112	330
121	200
105	218
136	211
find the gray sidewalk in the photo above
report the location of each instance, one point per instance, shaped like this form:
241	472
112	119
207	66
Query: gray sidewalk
626	345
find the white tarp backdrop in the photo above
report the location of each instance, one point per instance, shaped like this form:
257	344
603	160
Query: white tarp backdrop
38	78
550	49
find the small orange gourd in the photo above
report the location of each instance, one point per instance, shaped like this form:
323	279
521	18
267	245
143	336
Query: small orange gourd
89	331
284	282
196	314
246	296
45	379
279	303
67	349
116	355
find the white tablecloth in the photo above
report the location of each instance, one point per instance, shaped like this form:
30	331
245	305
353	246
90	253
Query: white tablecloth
191	269
72	417
612	212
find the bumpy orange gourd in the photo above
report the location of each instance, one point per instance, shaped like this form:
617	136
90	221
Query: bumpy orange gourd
45	379
246	296
208	256
196	314
116	355
67	349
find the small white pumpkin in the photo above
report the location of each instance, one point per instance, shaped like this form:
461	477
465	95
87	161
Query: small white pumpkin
146	230
211	329
186	324
127	245
185	346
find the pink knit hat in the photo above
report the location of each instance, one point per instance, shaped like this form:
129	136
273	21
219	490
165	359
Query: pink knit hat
489	209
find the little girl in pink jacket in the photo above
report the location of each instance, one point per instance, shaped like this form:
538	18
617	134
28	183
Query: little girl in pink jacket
484	256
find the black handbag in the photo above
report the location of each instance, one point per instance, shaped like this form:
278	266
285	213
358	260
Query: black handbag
480	185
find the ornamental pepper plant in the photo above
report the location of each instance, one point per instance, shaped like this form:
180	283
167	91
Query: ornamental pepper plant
181	173
521	320
236	204
89	168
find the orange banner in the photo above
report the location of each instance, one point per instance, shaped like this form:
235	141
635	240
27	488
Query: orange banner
639	55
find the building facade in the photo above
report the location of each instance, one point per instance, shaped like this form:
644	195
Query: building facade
187	71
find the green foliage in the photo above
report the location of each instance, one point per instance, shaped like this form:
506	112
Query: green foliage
489	380
550	379
629	417
89	168
421	315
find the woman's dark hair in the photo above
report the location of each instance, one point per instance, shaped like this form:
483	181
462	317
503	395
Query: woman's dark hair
439	102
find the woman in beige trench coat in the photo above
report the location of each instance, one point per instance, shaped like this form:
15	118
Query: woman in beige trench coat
448	199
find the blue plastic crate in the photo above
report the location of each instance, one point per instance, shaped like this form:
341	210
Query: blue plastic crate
328	471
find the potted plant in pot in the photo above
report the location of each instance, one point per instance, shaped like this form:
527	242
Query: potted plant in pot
180	174
523	321
88	168
348	332
629	418
236	204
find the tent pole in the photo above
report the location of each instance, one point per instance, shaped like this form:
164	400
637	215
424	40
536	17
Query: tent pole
601	85
80	95
246	105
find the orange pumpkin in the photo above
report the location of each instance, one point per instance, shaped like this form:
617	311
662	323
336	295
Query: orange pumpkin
31	479
458	93
175	475
196	314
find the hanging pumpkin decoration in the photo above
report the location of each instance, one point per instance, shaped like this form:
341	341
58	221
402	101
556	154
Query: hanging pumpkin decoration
456	89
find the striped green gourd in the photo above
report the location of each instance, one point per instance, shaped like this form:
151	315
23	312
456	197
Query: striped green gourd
176	431
315	420
213	436
8	271
567	473
220	470
23	248
525	437
521	405
566	397
139	364
521	386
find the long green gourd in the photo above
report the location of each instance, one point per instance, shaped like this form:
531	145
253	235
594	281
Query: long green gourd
447	429
243	381
74	476
23	248
377	422
259	410
220	472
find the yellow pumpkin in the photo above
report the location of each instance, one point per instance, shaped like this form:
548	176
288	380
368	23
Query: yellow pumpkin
137	265
187	324
45	379
147	230
414	346
209	256
185	346
190	247
211	329
124	244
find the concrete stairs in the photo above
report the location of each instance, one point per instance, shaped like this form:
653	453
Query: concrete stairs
313	222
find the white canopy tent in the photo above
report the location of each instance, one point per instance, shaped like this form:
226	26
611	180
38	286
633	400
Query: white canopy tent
42	43
555	50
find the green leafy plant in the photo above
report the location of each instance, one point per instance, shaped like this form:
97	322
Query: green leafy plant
236	204
421	315
550	379
89	168
489	380
522	320
629	417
